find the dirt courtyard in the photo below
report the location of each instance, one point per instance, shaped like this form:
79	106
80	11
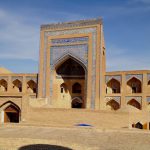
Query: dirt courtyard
77	138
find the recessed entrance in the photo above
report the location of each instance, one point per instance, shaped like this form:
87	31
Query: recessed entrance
76	103
71	73
11	114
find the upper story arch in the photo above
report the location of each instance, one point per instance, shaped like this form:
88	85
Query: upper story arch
17	85
113	86
3	85
134	85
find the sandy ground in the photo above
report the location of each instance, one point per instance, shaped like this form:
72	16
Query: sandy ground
77	138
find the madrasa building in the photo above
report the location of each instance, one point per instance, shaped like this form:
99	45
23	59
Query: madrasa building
72	74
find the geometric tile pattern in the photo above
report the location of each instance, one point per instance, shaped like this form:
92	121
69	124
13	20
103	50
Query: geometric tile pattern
138	76
115	98
77	51
137	98
91	30
109	77
69	40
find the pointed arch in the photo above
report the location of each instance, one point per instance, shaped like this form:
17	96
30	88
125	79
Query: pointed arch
76	102
113	86
6	104
11	112
148	83
70	70
66	57
3	85
17	85
31	86
139	125
134	85
113	104
134	103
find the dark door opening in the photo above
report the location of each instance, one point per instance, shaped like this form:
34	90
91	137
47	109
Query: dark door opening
76	104
11	114
12	117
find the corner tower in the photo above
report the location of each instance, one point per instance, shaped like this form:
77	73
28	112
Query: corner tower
72	64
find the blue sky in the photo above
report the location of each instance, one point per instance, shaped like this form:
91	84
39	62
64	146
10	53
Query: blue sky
126	30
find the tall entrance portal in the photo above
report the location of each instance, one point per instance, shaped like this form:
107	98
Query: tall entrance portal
72	64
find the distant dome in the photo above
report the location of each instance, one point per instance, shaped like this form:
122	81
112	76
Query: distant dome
4	70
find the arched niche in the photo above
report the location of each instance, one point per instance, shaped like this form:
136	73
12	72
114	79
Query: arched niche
112	105
3	85
134	103
134	85
17	85
70	67
76	103
10	112
113	86
31	86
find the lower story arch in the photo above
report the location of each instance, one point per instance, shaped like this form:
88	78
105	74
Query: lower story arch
10	113
113	105
76	103
134	103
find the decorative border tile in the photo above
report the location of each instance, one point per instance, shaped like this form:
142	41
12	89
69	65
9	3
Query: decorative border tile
138	76
116	98
148	99
67	32
77	51
137	98
109	77
69	40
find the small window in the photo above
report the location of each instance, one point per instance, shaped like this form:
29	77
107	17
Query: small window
114	90
61	89
134	89
103	52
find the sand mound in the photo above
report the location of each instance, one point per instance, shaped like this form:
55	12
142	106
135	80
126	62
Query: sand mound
4	70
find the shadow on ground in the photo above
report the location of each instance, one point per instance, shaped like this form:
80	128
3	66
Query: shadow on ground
43	147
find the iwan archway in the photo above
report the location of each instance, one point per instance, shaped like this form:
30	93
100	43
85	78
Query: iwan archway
70	75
